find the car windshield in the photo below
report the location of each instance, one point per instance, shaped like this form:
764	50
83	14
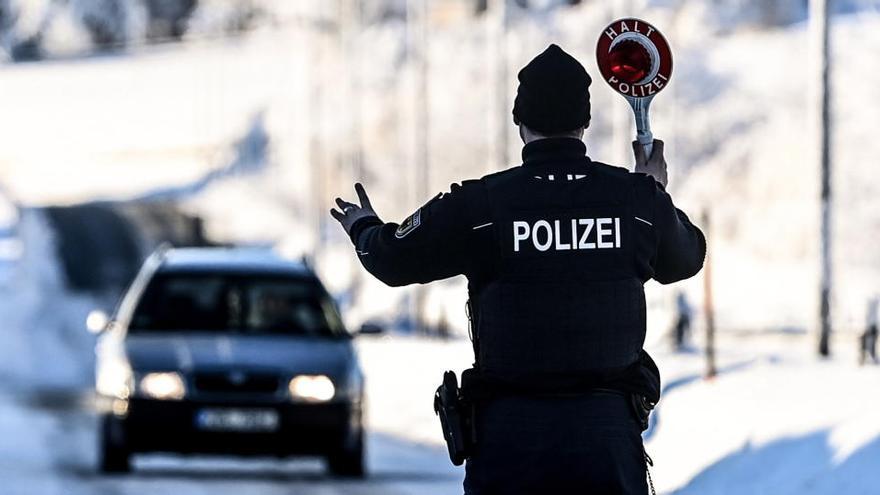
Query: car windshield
245	304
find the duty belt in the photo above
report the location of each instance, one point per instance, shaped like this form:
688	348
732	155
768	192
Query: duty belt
477	386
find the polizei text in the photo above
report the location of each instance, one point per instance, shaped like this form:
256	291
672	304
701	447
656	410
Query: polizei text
567	235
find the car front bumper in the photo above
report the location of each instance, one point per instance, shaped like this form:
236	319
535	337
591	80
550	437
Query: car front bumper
303	429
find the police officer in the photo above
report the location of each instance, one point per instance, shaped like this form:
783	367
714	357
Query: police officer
556	252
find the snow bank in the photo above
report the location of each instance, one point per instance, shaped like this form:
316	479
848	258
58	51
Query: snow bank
44	341
785	424
775	420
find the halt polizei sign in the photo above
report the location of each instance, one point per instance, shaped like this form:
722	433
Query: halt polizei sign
636	61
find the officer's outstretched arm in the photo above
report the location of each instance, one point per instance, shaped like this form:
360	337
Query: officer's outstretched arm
681	246
431	244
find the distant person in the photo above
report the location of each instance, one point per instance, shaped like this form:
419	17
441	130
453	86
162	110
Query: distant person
556	253
869	338
684	314
443	330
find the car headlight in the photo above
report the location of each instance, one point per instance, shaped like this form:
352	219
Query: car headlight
312	388
162	386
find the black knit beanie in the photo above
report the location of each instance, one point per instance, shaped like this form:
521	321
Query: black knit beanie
553	94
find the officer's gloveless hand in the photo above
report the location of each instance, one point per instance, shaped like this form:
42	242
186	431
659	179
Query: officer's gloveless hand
654	166
350	213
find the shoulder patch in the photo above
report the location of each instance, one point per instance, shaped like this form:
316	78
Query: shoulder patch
411	223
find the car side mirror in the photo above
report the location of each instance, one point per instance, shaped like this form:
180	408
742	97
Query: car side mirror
371	329
97	321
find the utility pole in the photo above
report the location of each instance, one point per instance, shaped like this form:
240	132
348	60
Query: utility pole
622	131
417	19
819	31
500	117
708	303
315	111
349	31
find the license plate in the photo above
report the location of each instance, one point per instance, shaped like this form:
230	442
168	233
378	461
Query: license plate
242	420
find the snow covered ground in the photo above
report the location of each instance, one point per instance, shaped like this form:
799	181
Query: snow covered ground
48	448
781	422
775	420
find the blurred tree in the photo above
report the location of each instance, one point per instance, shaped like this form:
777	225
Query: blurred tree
24	26
27	50
483	5
168	18
222	17
107	21
110	22
8	16
9	40
759	12
375	11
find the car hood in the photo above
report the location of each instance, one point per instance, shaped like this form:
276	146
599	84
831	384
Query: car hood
194	352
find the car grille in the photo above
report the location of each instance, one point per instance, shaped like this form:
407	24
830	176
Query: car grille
237	382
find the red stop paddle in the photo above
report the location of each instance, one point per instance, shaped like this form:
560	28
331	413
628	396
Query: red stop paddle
634	59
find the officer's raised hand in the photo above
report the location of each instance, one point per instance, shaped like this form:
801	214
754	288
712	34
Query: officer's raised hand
654	166
350	213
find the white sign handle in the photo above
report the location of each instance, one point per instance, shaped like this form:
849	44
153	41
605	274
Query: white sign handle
644	136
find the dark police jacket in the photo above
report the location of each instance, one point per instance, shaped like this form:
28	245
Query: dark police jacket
556	252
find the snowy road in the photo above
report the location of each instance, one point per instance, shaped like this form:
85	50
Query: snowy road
48	448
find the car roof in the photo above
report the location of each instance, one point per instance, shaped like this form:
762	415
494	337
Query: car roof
232	260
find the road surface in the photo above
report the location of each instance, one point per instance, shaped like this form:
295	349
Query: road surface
48	447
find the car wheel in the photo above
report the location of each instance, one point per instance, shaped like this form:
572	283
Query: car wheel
113	454
349	461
